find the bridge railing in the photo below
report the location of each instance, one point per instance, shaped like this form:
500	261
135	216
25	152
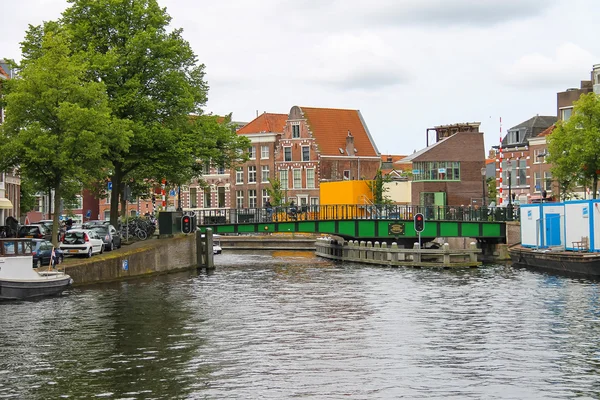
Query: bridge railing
352	212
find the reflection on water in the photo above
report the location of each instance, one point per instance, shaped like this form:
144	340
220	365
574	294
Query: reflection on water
297	326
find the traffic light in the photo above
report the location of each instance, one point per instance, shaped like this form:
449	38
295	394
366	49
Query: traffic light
419	222
186	224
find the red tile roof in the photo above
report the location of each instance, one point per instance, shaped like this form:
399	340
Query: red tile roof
266	122
330	127
3	72
547	131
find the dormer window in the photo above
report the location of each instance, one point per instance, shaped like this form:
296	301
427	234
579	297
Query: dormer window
341	150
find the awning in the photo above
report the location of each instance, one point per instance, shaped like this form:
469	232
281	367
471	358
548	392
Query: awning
5	204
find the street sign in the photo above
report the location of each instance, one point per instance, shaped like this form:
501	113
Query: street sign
109	185
125	265
88	214
172	193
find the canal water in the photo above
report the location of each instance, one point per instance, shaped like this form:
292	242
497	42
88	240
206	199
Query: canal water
294	326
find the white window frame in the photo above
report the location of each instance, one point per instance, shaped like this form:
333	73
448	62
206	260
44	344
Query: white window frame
251	198
284	179
310	180
265	173
562	113
297	178
239	176
285	153
264	152
252	153
346	175
252	174
265	196
239	199
295	127
308	148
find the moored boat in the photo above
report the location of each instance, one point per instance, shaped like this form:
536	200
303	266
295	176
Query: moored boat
556	260
19	280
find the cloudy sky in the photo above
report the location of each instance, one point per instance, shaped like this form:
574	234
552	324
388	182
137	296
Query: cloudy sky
406	64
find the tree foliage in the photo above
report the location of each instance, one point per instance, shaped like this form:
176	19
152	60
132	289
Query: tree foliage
574	147
58	125
276	193
153	83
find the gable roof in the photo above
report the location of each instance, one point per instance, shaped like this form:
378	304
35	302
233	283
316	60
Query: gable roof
330	127
409	159
533	127
264	123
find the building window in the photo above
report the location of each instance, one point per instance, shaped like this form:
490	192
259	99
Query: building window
296	130
265	173
346	175
548	181
265	196
539	156
305	153
297	178
239	175
221	196
283	178
252	198
252	153
193	197
314	201
264	152
436	171
221	170
252	174
239	199
207	197
522	178
565	113
310	178
287	151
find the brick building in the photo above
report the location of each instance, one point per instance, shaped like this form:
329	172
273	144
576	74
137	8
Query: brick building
251	179
323	145
448	172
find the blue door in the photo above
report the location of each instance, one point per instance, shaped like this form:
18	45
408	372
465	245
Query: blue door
552	229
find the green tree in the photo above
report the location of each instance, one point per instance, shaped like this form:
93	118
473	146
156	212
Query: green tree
154	81
58	125
574	146
275	192
377	187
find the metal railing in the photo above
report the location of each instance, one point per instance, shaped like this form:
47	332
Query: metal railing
353	212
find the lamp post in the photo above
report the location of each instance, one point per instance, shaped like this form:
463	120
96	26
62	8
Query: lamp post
483	176
541	160
510	206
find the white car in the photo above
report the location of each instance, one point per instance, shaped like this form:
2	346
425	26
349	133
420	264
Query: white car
82	241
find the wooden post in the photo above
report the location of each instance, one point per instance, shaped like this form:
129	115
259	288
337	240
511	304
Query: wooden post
204	250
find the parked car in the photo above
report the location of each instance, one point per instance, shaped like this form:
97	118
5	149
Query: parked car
95	222
82	241
110	236
42	251
35	231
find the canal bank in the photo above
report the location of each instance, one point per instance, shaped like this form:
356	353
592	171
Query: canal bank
144	258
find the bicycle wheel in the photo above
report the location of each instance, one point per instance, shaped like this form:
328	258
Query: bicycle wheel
141	234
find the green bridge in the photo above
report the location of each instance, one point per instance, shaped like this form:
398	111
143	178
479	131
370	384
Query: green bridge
393	223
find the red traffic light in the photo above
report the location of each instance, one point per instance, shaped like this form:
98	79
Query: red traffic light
419	222
186	220
186	224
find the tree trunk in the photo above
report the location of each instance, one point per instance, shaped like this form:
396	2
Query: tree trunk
594	187
116	179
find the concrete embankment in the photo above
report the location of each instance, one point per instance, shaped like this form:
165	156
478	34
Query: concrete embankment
156	256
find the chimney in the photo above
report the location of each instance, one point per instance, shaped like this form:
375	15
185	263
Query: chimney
350	144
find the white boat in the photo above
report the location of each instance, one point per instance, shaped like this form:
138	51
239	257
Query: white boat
217	244
19	280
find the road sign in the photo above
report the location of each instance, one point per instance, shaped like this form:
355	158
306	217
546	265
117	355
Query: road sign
109	185
125	265
172	193
88	214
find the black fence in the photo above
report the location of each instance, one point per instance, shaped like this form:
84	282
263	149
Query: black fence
353	212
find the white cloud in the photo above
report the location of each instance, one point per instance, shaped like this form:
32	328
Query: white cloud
566	67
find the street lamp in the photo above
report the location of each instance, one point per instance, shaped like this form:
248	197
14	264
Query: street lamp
510	206
483	176
540	157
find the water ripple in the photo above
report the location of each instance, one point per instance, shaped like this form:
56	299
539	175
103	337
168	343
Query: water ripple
261	327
